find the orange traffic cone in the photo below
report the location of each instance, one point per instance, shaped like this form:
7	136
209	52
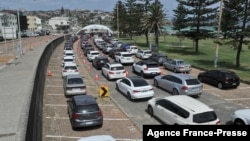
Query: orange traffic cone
49	73
96	77
84	61
161	69
126	73
89	68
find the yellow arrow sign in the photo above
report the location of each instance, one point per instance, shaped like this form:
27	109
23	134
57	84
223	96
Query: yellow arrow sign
104	91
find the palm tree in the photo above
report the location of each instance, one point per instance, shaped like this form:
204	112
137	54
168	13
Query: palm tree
154	19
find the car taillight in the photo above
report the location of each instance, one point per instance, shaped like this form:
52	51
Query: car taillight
75	116
218	123
99	113
146	68
184	88
111	72
64	70
136	91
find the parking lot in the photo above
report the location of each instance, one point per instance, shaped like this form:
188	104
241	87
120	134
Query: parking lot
123	119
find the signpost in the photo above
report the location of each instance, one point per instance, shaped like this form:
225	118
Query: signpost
104	91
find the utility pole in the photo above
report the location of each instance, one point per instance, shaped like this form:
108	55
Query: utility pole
218	36
20	49
117	12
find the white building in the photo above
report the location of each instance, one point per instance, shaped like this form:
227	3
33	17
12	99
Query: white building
8	25
59	23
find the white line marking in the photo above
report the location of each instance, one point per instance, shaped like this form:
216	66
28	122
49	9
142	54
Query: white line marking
53	86
60	105
107	119
70	137
237	99
56	94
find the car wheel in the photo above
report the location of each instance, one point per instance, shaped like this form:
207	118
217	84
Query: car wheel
150	110
129	96
175	92
175	71
133	69
219	85
200	78
155	83
108	77
142	74
239	122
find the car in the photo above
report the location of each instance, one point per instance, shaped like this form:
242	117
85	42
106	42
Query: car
113	51
68	48
146	68
74	85
134	87
143	54
87	49
159	58
69	68
177	65
92	54
182	110
67	59
113	71
99	62
84	111
241	117
107	48
132	49
124	58
97	138
179	84
69	53
221	78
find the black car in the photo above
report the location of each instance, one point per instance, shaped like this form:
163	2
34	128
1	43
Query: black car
158	58
113	51
86	50
98	62
84	111
220	78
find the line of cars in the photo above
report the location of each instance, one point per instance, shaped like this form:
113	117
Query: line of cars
82	107
182	86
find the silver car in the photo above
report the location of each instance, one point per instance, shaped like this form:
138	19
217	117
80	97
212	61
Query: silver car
179	83
74	85
177	65
241	117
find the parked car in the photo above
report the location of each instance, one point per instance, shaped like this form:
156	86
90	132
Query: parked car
69	68
69	53
241	117
146	68
134	87
74	85
86	50
67	59
132	49
99	62
124	58
84	111
182	110
177	65
220	78
158	58
143	54
179	84
113	71
107	48
113	51
92	54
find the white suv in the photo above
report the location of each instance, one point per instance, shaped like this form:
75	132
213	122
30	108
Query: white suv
113	71
92	54
143	54
146	68
69	68
182	110
124	58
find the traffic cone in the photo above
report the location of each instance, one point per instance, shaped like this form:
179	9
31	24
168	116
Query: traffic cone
49	73
126	73
84	61
89	68
96	77
161	69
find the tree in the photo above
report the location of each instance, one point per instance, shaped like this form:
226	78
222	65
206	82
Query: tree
62	11
154	19
235	26
200	14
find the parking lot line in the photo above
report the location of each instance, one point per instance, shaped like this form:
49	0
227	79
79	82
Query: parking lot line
106	119
56	94
53	86
232	99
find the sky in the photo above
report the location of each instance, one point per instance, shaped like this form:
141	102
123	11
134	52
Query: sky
105	5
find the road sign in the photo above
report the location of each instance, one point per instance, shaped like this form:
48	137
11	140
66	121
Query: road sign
104	91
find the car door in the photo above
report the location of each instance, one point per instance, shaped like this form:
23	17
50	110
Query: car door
117	56
172	65
124	85
70	108
169	113
168	83
105	69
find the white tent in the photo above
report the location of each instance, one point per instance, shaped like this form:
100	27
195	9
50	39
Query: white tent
95	28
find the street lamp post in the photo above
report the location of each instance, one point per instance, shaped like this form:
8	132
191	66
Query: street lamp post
5	44
218	35
117	12
20	49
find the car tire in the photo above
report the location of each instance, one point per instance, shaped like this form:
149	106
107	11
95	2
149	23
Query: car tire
239	122
142	74
108	77
219	85
150	111
155	83
175	92
129	96
133	69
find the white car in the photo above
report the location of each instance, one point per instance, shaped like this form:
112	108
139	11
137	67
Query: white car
143	54
132	49
69	53
69	68
68	59
182	110
92	54
241	117
124	58
113	71
146	68
134	87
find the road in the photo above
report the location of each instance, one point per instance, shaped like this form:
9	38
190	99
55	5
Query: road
123	119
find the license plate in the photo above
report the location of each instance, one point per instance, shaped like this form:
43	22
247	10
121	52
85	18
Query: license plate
76	89
118	73
234	83
89	123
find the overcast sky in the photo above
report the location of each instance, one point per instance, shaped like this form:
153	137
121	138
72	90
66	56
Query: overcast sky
106	5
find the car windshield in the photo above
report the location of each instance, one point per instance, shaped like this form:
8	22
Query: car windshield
139	82
68	60
87	108
70	68
75	81
204	117
192	82
69	54
117	68
95	53
152	65
147	52
126	55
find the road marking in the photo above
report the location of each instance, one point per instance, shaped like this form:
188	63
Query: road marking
107	119
56	94
60	105
237	99
71	137
53	86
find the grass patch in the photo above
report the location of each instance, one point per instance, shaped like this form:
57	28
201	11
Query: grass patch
205	58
